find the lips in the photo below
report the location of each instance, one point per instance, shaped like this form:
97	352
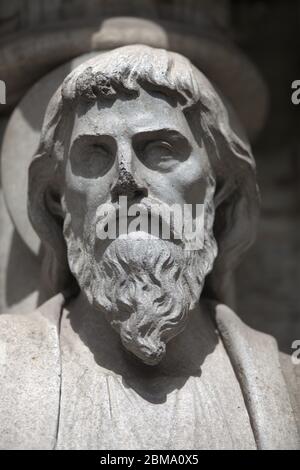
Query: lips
146	217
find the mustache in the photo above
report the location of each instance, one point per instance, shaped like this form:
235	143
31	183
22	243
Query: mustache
156	212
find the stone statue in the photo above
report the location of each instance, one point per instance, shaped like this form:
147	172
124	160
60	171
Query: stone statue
136	348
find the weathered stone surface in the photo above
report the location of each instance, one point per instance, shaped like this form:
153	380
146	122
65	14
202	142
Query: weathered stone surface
136	327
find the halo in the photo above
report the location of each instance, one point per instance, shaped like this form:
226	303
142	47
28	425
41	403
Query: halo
223	64
20	143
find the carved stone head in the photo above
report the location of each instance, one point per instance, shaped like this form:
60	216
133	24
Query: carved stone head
146	124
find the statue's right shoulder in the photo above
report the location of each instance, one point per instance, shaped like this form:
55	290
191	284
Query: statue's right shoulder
17	328
30	377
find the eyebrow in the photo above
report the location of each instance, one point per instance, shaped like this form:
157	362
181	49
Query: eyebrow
174	134
102	137
176	138
139	137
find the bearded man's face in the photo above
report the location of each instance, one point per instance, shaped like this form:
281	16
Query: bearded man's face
144	150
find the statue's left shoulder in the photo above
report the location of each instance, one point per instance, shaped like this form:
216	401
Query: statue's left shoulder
291	373
255	358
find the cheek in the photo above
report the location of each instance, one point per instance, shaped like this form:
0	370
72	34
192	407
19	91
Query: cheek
83	196
194	179
187	184
194	190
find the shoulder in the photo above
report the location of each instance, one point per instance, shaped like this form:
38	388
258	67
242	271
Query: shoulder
255	358
16	327
30	377
29	337
237	334
13	325
291	373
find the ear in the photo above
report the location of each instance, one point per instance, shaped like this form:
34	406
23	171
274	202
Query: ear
236	224
46	216
235	230
237	197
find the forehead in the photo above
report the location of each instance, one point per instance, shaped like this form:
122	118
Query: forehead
147	112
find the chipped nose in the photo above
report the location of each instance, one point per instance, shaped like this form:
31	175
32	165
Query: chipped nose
126	185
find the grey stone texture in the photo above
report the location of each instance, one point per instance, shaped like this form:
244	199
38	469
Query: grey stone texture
135	346
67	358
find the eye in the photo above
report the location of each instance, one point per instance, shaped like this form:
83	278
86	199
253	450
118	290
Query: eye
162	148
97	158
92	159
159	155
100	150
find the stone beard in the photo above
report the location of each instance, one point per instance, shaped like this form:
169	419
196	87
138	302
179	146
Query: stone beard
145	286
137	114
142	123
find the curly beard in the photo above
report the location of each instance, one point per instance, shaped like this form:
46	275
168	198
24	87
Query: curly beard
145	286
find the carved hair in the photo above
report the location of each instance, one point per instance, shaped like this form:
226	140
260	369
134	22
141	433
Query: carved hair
124	71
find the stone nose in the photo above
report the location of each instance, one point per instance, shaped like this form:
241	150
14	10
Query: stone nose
126	184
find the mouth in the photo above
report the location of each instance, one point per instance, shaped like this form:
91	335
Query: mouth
146	224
